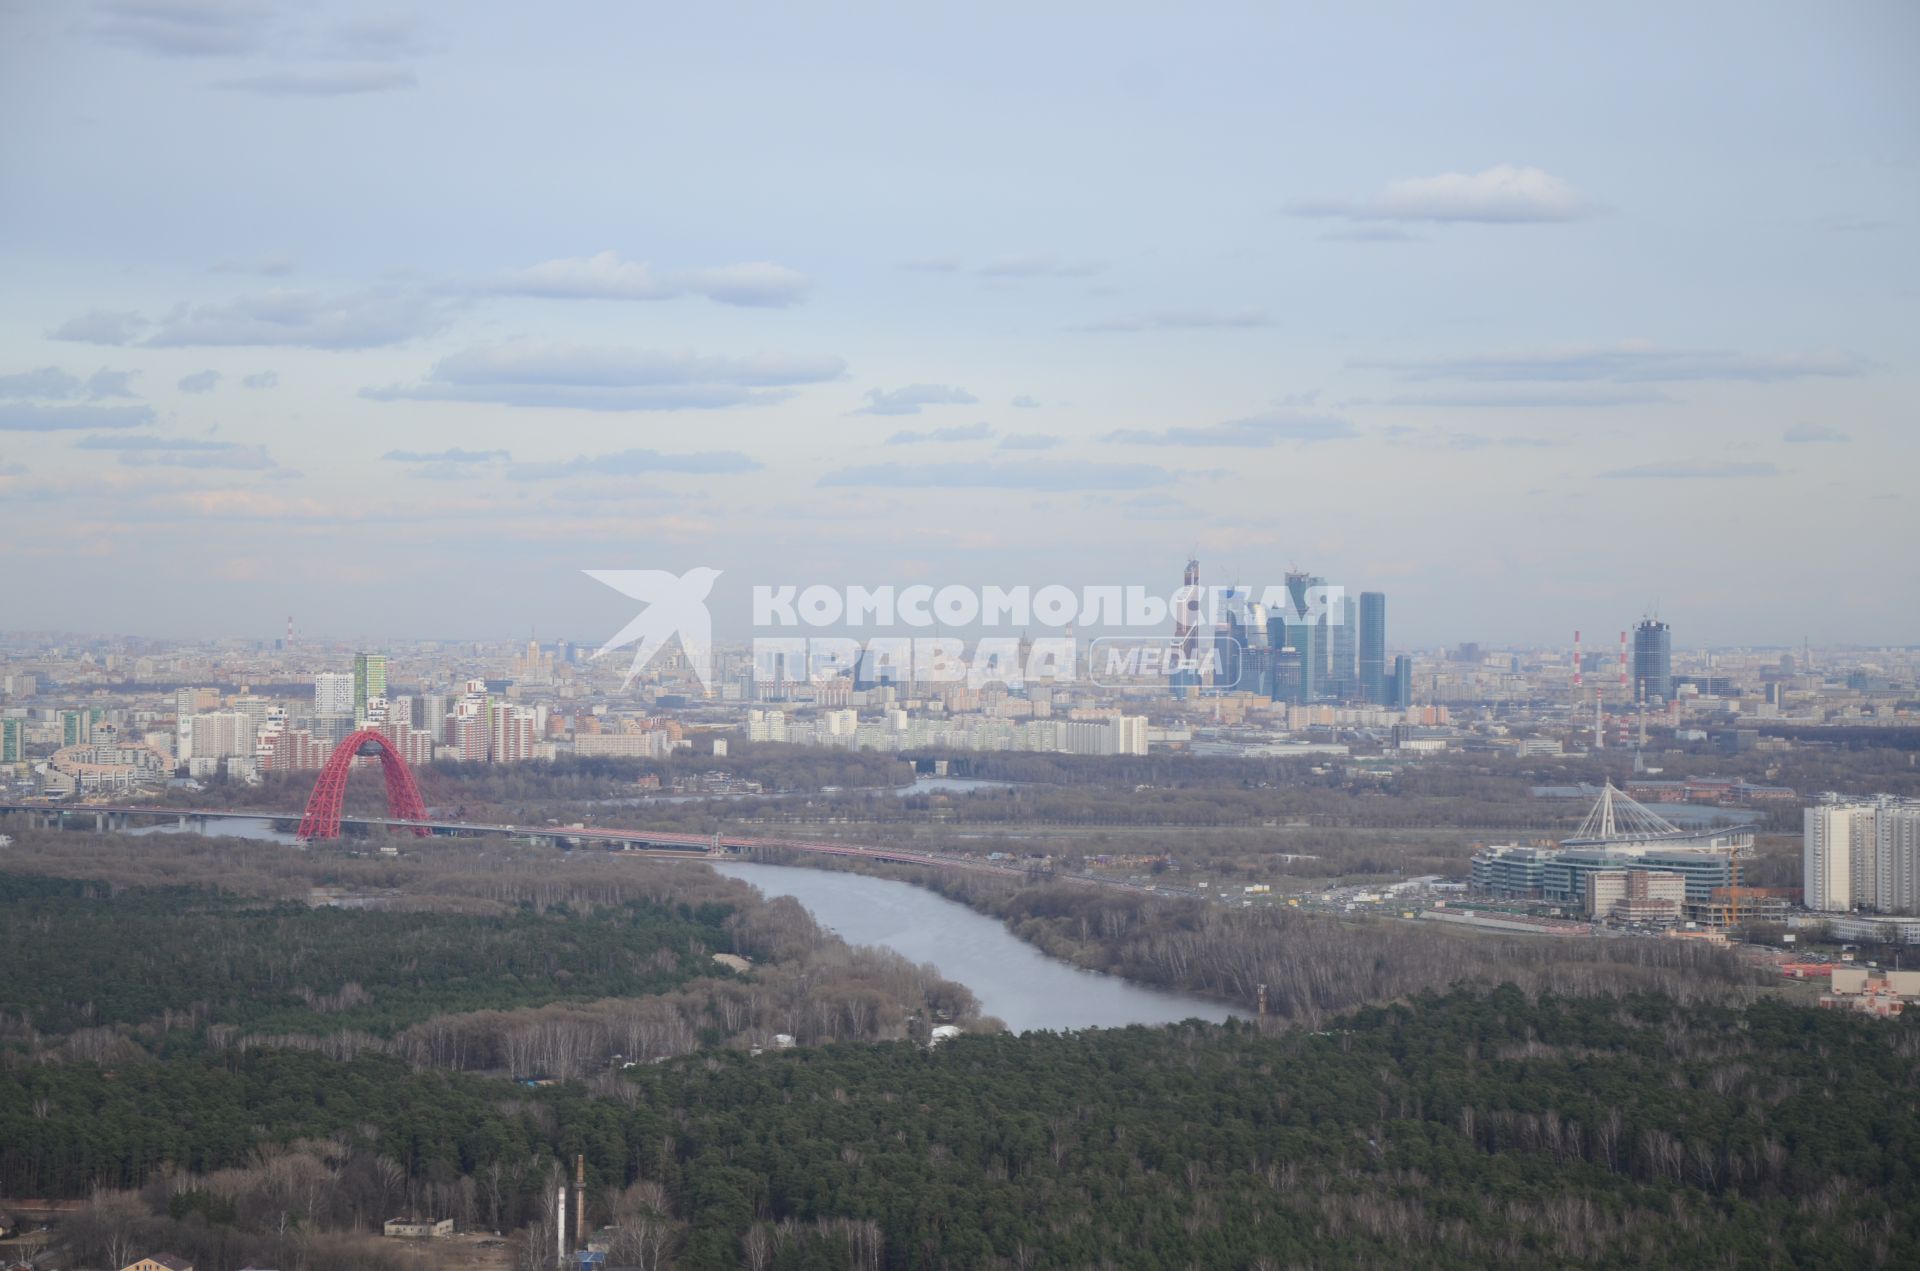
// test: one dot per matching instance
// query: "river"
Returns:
(1013, 980)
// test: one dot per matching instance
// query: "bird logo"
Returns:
(676, 606)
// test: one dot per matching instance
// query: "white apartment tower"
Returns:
(1862, 853)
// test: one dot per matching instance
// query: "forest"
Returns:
(474, 956)
(1476, 1128)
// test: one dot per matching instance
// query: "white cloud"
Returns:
(990, 475)
(959, 432)
(179, 452)
(298, 318)
(1631, 362)
(1502, 194)
(1029, 441)
(1038, 265)
(1024, 402)
(34, 417)
(606, 276)
(1181, 320)
(182, 28)
(328, 81)
(1692, 471)
(100, 326)
(612, 378)
(260, 379)
(452, 455)
(376, 40)
(756, 284)
(1258, 431)
(50, 382)
(635, 463)
(909, 400)
(1804, 433)
(199, 382)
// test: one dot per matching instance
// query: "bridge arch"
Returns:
(322, 819)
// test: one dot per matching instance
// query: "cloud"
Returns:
(635, 463)
(1478, 441)
(447, 465)
(330, 81)
(1038, 265)
(100, 326)
(1536, 399)
(958, 432)
(909, 400)
(606, 276)
(612, 378)
(1692, 471)
(756, 284)
(1502, 194)
(1631, 362)
(990, 475)
(32, 417)
(182, 28)
(1029, 441)
(1370, 234)
(283, 316)
(1181, 320)
(199, 382)
(50, 382)
(376, 40)
(105, 383)
(1256, 431)
(1804, 433)
(260, 379)
(181, 452)
(1023, 402)
(454, 455)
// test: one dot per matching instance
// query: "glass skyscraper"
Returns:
(1652, 661)
(1373, 647)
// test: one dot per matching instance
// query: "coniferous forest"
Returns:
(252, 1057)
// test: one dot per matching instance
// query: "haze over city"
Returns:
(1535, 320)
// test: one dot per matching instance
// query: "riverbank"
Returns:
(1309, 966)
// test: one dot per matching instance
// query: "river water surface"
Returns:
(1013, 980)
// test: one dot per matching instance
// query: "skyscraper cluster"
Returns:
(1315, 647)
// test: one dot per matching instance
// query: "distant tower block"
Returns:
(1623, 664)
(1576, 662)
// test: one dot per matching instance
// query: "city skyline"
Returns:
(1088, 299)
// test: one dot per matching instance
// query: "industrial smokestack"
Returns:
(560, 1228)
(579, 1201)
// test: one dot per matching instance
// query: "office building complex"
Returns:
(1402, 691)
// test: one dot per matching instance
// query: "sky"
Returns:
(396, 320)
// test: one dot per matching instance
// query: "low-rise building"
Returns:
(1635, 896)
(418, 1228)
